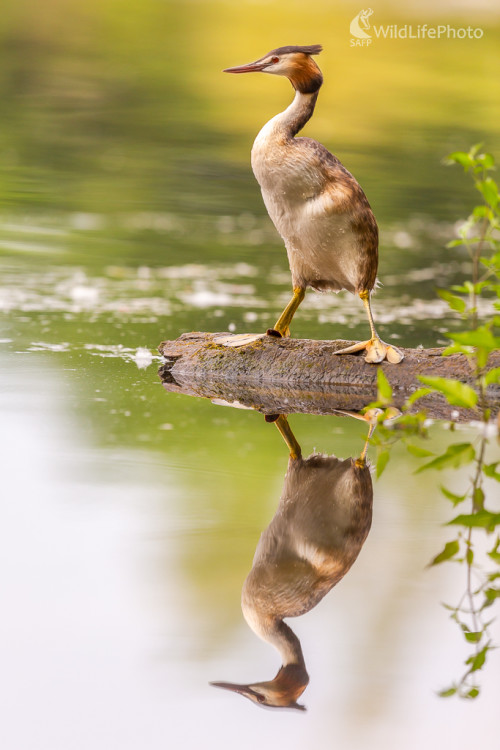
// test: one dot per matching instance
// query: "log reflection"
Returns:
(322, 520)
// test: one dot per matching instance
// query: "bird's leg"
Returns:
(371, 417)
(361, 460)
(281, 423)
(376, 349)
(281, 328)
(282, 325)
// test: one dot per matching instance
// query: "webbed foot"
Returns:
(376, 351)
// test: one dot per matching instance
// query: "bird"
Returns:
(317, 206)
(321, 523)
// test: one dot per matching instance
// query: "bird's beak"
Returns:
(253, 67)
(258, 698)
(245, 690)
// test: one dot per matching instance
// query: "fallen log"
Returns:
(286, 376)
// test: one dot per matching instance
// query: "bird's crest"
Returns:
(310, 49)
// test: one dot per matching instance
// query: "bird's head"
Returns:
(282, 692)
(294, 62)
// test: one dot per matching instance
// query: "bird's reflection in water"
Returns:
(323, 518)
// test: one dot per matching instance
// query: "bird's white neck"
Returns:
(284, 639)
(295, 116)
(276, 633)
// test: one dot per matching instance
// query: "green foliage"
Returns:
(472, 637)
(479, 235)
(456, 393)
(384, 389)
(382, 461)
(449, 551)
(494, 553)
(455, 499)
(417, 450)
(456, 303)
(490, 470)
(419, 393)
(447, 692)
(477, 660)
(490, 596)
(455, 455)
(489, 189)
(493, 376)
(478, 519)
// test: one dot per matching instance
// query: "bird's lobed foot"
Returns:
(376, 351)
(240, 339)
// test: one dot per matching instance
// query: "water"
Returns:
(130, 515)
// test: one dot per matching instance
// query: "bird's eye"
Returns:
(275, 60)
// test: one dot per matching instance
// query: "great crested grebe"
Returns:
(321, 523)
(317, 206)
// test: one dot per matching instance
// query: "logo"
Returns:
(360, 24)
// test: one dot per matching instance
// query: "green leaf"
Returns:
(479, 286)
(446, 693)
(475, 148)
(494, 553)
(460, 157)
(486, 160)
(491, 595)
(455, 499)
(450, 550)
(465, 288)
(382, 460)
(458, 349)
(455, 455)
(415, 450)
(489, 190)
(481, 212)
(490, 470)
(494, 260)
(478, 498)
(455, 303)
(473, 693)
(419, 393)
(390, 414)
(482, 519)
(383, 387)
(455, 243)
(493, 376)
(456, 393)
(469, 556)
(477, 660)
(473, 637)
(481, 337)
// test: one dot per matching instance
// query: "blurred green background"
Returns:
(118, 108)
(123, 144)
(130, 214)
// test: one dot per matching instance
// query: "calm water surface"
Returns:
(130, 515)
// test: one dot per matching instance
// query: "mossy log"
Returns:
(305, 376)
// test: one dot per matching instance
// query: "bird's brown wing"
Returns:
(340, 193)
